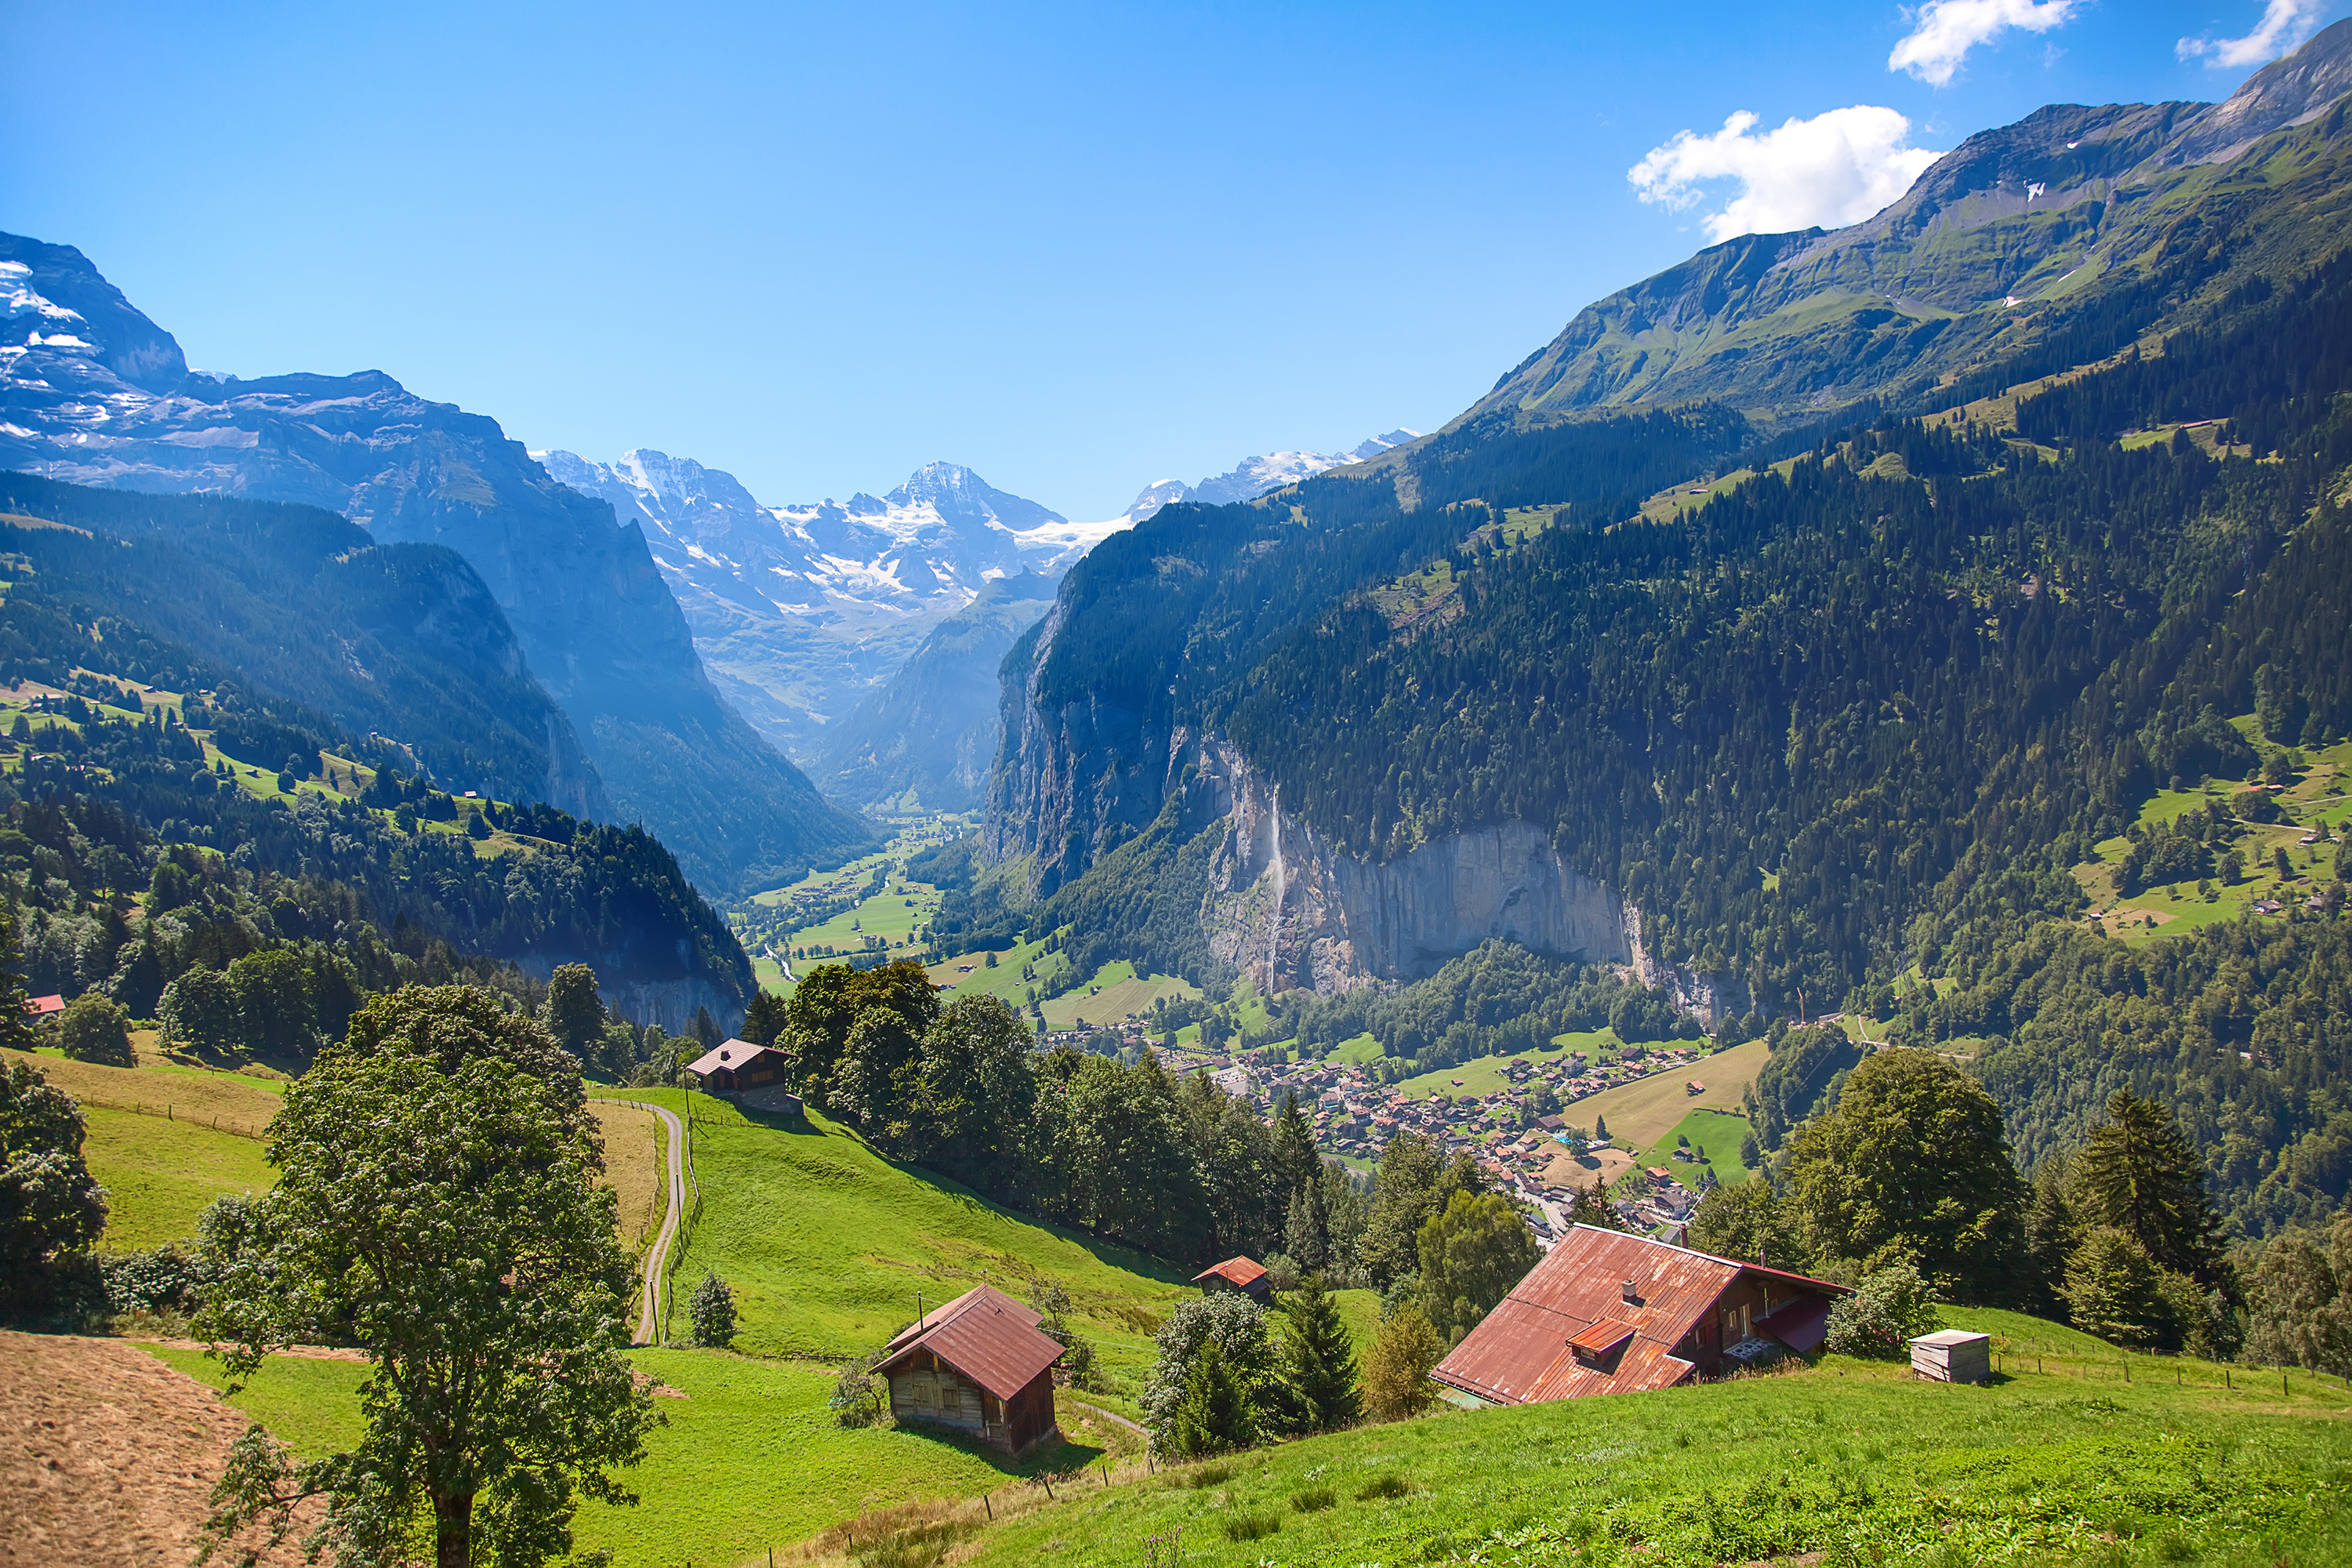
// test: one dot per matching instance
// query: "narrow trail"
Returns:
(658, 1254)
(1107, 1416)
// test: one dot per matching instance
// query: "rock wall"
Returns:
(1291, 910)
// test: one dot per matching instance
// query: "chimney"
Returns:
(1631, 1293)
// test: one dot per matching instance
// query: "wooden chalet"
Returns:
(1243, 1274)
(41, 1009)
(1605, 1312)
(743, 1071)
(978, 1365)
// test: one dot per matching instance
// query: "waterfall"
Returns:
(1274, 925)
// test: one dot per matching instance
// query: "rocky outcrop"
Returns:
(1289, 909)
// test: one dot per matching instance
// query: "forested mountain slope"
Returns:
(165, 811)
(1850, 722)
(396, 639)
(597, 624)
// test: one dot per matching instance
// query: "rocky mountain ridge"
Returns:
(1783, 326)
(804, 613)
(598, 627)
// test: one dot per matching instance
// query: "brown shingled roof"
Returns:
(985, 1335)
(731, 1054)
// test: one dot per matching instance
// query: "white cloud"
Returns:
(1834, 169)
(2284, 25)
(1944, 31)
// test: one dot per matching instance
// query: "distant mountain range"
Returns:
(93, 393)
(805, 612)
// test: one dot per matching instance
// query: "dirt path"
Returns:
(106, 1454)
(658, 1255)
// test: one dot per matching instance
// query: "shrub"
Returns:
(94, 1028)
(1880, 1318)
(166, 1280)
(859, 1398)
(710, 1311)
(1396, 1369)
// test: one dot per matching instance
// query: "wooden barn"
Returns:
(743, 1071)
(1242, 1274)
(1605, 1312)
(979, 1364)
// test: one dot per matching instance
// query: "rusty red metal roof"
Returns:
(984, 1334)
(1603, 1337)
(1525, 1352)
(1241, 1272)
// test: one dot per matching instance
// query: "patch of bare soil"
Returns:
(106, 1454)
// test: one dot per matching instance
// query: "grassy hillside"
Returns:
(828, 1244)
(1641, 1112)
(160, 1174)
(748, 1458)
(1850, 1461)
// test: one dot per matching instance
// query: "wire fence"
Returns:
(193, 1116)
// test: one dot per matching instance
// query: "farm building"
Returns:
(1241, 1274)
(740, 1070)
(1604, 1312)
(979, 1364)
(40, 1010)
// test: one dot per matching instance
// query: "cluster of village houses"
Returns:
(1541, 1164)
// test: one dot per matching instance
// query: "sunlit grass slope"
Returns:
(828, 1244)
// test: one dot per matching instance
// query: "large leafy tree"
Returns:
(1217, 1381)
(1471, 1256)
(437, 1202)
(977, 1091)
(48, 1202)
(1749, 1221)
(2140, 1173)
(1912, 1161)
(823, 1013)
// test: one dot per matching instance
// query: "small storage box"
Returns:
(1952, 1355)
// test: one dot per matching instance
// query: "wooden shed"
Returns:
(978, 1365)
(743, 1071)
(1243, 1274)
(1952, 1355)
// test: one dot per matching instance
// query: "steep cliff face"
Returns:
(1283, 904)
(1289, 909)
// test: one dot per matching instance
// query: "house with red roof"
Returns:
(978, 1365)
(1243, 1274)
(1605, 1312)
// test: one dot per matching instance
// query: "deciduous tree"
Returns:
(1912, 1161)
(1396, 1368)
(94, 1028)
(1471, 1256)
(438, 1198)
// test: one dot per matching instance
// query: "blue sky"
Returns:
(1078, 248)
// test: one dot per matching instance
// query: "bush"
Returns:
(1892, 1308)
(1396, 1369)
(94, 1028)
(164, 1280)
(859, 1398)
(710, 1311)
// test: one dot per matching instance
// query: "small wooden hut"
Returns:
(979, 1364)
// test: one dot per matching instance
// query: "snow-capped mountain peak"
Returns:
(1253, 477)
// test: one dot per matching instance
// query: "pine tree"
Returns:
(710, 1311)
(1319, 1363)
(2142, 1175)
(1214, 1418)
